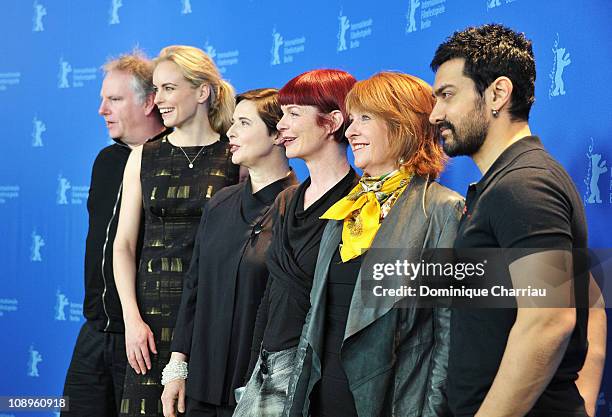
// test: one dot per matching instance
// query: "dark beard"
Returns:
(471, 135)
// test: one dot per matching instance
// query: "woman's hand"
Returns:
(138, 336)
(138, 341)
(173, 391)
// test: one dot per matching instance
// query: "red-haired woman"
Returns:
(311, 129)
(358, 355)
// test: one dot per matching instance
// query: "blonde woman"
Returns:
(171, 177)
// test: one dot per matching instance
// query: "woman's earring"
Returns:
(495, 112)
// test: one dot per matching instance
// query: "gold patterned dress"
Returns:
(173, 197)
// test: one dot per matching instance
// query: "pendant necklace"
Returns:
(191, 161)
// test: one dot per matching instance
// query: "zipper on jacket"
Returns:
(104, 255)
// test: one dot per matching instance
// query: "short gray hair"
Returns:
(139, 67)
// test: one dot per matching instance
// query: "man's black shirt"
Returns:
(101, 305)
(525, 200)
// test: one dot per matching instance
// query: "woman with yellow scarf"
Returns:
(359, 355)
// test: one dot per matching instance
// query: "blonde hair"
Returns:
(198, 68)
(404, 102)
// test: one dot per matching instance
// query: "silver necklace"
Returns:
(191, 161)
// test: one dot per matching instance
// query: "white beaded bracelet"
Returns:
(174, 370)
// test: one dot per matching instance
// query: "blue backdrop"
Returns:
(50, 80)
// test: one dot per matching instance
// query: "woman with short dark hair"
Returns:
(228, 275)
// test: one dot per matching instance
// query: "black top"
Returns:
(101, 306)
(525, 200)
(331, 396)
(223, 289)
(292, 260)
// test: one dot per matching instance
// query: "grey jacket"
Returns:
(395, 359)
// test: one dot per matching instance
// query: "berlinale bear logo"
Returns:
(63, 185)
(38, 129)
(114, 12)
(65, 69)
(39, 12)
(277, 42)
(37, 243)
(60, 306)
(561, 60)
(597, 167)
(412, 26)
(210, 50)
(345, 24)
(34, 360)
(186, 7)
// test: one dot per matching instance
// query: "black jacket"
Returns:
(101, 306)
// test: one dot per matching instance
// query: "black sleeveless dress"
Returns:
(173, 197)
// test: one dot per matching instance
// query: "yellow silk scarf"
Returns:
(364, 208)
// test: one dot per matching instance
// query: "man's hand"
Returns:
(138, 340)
(589, 377)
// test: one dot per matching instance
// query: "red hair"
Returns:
(325, 89)
(404, 102)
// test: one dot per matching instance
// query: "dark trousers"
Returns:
(197, 408)
(94, 382)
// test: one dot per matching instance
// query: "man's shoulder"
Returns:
(533, 203)
(112, 153)
(113, 148)
(535, 162)
(536, 173)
